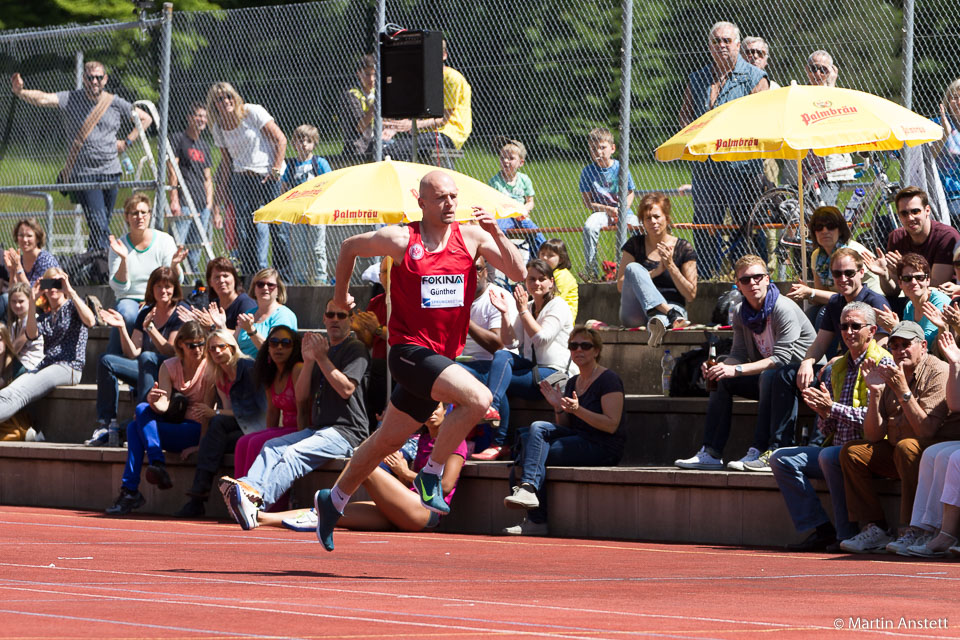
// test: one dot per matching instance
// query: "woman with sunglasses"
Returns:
(270, 294)
(926, 304)
(242, 408)
(540, 330)
(829, 232)
(276, 369)
(586, 431)
(160, 423)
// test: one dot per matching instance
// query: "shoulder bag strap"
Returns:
(92, 119)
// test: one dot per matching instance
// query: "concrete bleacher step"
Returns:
(634, 503)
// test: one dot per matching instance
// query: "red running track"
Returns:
(68, 574)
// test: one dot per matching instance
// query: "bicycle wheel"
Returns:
(776, 213)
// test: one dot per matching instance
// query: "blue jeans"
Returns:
(249, 194)
(544, 443)
(594, 223)
(953, 207)
(129, 309)
(793, 468)
(640, 295)
(148, 433)
(511, 375)
(535, 240)
(309, 245)
(716, 431)
(97, 206)
(184, 231)
(141, 372)
(718, 187)
(288, 458)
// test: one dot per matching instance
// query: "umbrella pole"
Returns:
(803, 225)
(386, 289)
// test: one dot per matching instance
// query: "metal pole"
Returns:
(906, 88)
(378, 112)
(78, 70)
(164, 107)
(625, 77)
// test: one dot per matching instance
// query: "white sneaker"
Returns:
(528, 528)
(872, 539)
(703, 461)
(522, 498)
(305, 520)
(738, 465)
(910, 538)
(242, 510)
(657, 330)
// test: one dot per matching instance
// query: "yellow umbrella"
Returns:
(377, 192)
(791, 121)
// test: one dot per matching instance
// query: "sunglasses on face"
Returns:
(583, 346)
(266, 285)
(193, 345)
(910, 277)
(819, 68)
(339, 315)
(276, 342)
(846, 273)
(760, 53)
(96, 78)
(855, 326)
(820, 226)
(217, 348)
(224, 98)
(753, 277)
(910, 212)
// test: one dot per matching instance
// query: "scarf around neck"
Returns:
(757, 320)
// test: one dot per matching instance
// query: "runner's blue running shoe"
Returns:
(327, 516)
(431, 493)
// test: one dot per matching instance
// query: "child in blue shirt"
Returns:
(516, 184)
(308, 242)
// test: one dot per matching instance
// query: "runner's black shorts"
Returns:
(414, 370)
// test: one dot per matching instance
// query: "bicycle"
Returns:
(777, 212)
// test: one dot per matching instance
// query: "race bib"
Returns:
(442, 291)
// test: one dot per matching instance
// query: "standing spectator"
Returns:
(271, 294)
(358, 116)
(719, 186)
(163, 425)
(516, 184)
(134, 257)
(252, 148)
(554, 253)
(93, 156)
(657, 275)
(192, 155)
(822, 72)
(756, 51)
(64, 331)
(924, 306)
(769, 331)
(906, 412)
(30, 261)
(947, 149)
(309, 241)
(600, 191)
(586, 431)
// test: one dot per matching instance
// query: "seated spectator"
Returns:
(586, 431)
(170, 419)
(133, 258)
(840, 409)
(657, 275)
(358, 112)
(516, 184)
(29, 259)
(924, 306)
(242, 410)
(271, 294)
(333, 381)
(769, 332)
(227, 299)
(152, 342)
(906, 412)
(947, 149)
(277, 367)
(64, 330)
(554, 253)
(28, 353)
(952, 287)
(540, 330)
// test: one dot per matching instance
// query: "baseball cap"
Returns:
(908, 329)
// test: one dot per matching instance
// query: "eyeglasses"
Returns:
(760, 53)
(276, 342)
(339, 315)
(819, 68)
(261, 284)
(753, 277)
(96, 78)
(218, 347)
(910, 277)
(193, 345)
(910, 212)
(820, 226)
(845, 273)
(855, 326)
(583, 346)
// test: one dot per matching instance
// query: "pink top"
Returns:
(425, 448)
(194, 389)
(286, 401)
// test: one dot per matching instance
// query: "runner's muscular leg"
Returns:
(395, 429)
(470, 398)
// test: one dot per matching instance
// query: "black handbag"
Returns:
(177, 411)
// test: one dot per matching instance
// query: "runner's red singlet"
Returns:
(431, 294)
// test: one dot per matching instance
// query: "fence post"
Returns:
(78, 69)
(625, 77)
(378, 113)
(906, 87)
(164, 107)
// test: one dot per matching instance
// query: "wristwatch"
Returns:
(738, 369)
(906, 397)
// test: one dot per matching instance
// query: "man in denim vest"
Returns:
(718, 186)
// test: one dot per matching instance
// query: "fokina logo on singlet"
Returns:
(416, 251)
(442, 291)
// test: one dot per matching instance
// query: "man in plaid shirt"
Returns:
(841, 410)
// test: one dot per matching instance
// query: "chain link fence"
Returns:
(546, 76)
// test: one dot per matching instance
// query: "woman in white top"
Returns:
(541, 329)
(133, 258)
(252, 147)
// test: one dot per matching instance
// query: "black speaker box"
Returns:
(411, 75)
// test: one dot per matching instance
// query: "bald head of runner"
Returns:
(438, 198)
